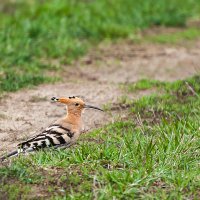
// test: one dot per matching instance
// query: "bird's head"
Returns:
(74, 104)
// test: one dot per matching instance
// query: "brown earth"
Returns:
(96, 77)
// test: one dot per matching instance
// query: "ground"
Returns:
(144, 146)
(97, 77)
(138, 61)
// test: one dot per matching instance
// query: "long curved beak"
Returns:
(92, 107)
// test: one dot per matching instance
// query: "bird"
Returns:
(62, 133)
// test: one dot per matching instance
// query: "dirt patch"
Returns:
(129, 62)
(96, 77)
(159, 30)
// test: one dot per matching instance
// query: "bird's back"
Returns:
(55, 134)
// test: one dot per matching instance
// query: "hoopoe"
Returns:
(63, 133)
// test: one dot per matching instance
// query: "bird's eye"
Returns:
(76, 104)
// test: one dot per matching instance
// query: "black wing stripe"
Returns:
(49, 128)
(70, 134)
(43, 144)
(38, 139)
(53, 125)
(50, 140)
(66, 129)
(28, 144)
(61, 140)
(21, 145)
(55, 133)
(35, 144)
(33, 139)
(38, 146)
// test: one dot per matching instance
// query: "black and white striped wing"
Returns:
(54, 135)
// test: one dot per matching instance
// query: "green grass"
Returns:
(13, 82)
(34, 31)
(153, 155)
(142, 84)
(176, 37)
(13, 191)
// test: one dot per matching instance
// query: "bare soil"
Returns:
(96, 77)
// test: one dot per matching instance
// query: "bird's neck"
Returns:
(73, 117)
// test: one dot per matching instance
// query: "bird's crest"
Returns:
(74, 100)
(68, 100)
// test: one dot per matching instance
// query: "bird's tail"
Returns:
(17, 152)
(12, 154)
